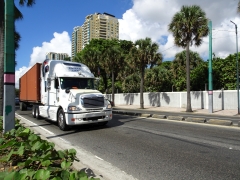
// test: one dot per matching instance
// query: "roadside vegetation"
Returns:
(24, 156)
(160, 76)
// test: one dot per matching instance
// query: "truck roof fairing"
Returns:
(61, 68)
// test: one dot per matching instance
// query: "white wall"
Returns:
(226, 99)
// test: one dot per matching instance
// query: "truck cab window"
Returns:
(76, 83)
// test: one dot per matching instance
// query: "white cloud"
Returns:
(60, 43)
(150, 18)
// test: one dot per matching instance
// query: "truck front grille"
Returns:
(94, 118)
(95, 110)
(93, 101)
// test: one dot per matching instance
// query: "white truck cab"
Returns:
(68, 95)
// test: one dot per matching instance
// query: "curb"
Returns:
(145, 115)
(127, 113)
(196, 120)
(178, 118)
(159, 116)
(220, 122)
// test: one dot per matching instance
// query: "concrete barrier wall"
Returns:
(222, 99)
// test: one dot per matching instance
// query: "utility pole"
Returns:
(237, 66)
(9, 68)
(210, 86)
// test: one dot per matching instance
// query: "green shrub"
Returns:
(24, 155)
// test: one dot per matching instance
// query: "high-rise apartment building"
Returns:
(56, 56)
(96, 26)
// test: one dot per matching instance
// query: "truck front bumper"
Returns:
(87, 118)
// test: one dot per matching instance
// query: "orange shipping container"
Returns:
(29, 85)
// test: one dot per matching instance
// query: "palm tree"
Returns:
(178, 68)
(142, 54)
(17, 38)
(189, 26)
(112, 63)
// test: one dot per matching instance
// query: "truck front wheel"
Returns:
(61, 120)
(34, 111)
(37, 112)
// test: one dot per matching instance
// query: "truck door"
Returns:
(52, 92)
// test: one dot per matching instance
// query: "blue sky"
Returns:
(49, 16)
(48, 25)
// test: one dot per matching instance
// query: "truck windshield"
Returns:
(76, 83)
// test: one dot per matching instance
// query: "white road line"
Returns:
(65, 140)
(36, 124)
(50, 132)
(26, 119)
(98, 158)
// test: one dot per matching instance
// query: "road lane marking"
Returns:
(187, 138)
(98, 158)
(50, 132)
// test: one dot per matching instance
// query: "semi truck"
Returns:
(64, 92)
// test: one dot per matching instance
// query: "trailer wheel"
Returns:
(34, 111)
(23, 106)
(61, 120)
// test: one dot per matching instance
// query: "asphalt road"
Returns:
(159, 149)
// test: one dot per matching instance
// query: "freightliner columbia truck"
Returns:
(64, 92)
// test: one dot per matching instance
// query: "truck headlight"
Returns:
(73, 108)
(108, 104)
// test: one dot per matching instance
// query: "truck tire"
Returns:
(61, 120)
(34, 111)
(23, 106)
(37, 112)
(20, 106)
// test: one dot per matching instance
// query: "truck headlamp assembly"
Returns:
(108, 104)
(73, 108)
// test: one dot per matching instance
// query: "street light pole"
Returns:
(237, 66)
(9, 68)
(210, 82)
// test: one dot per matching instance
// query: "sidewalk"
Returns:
(225, 112)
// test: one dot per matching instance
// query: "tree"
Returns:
(112, 62)
(158, 79)
(17, 38)
(127, 75)
(67, 59)
(178, 69)
(131, 83)
(144, 53)
(92, 55)
(224, 72)
(189, 26)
